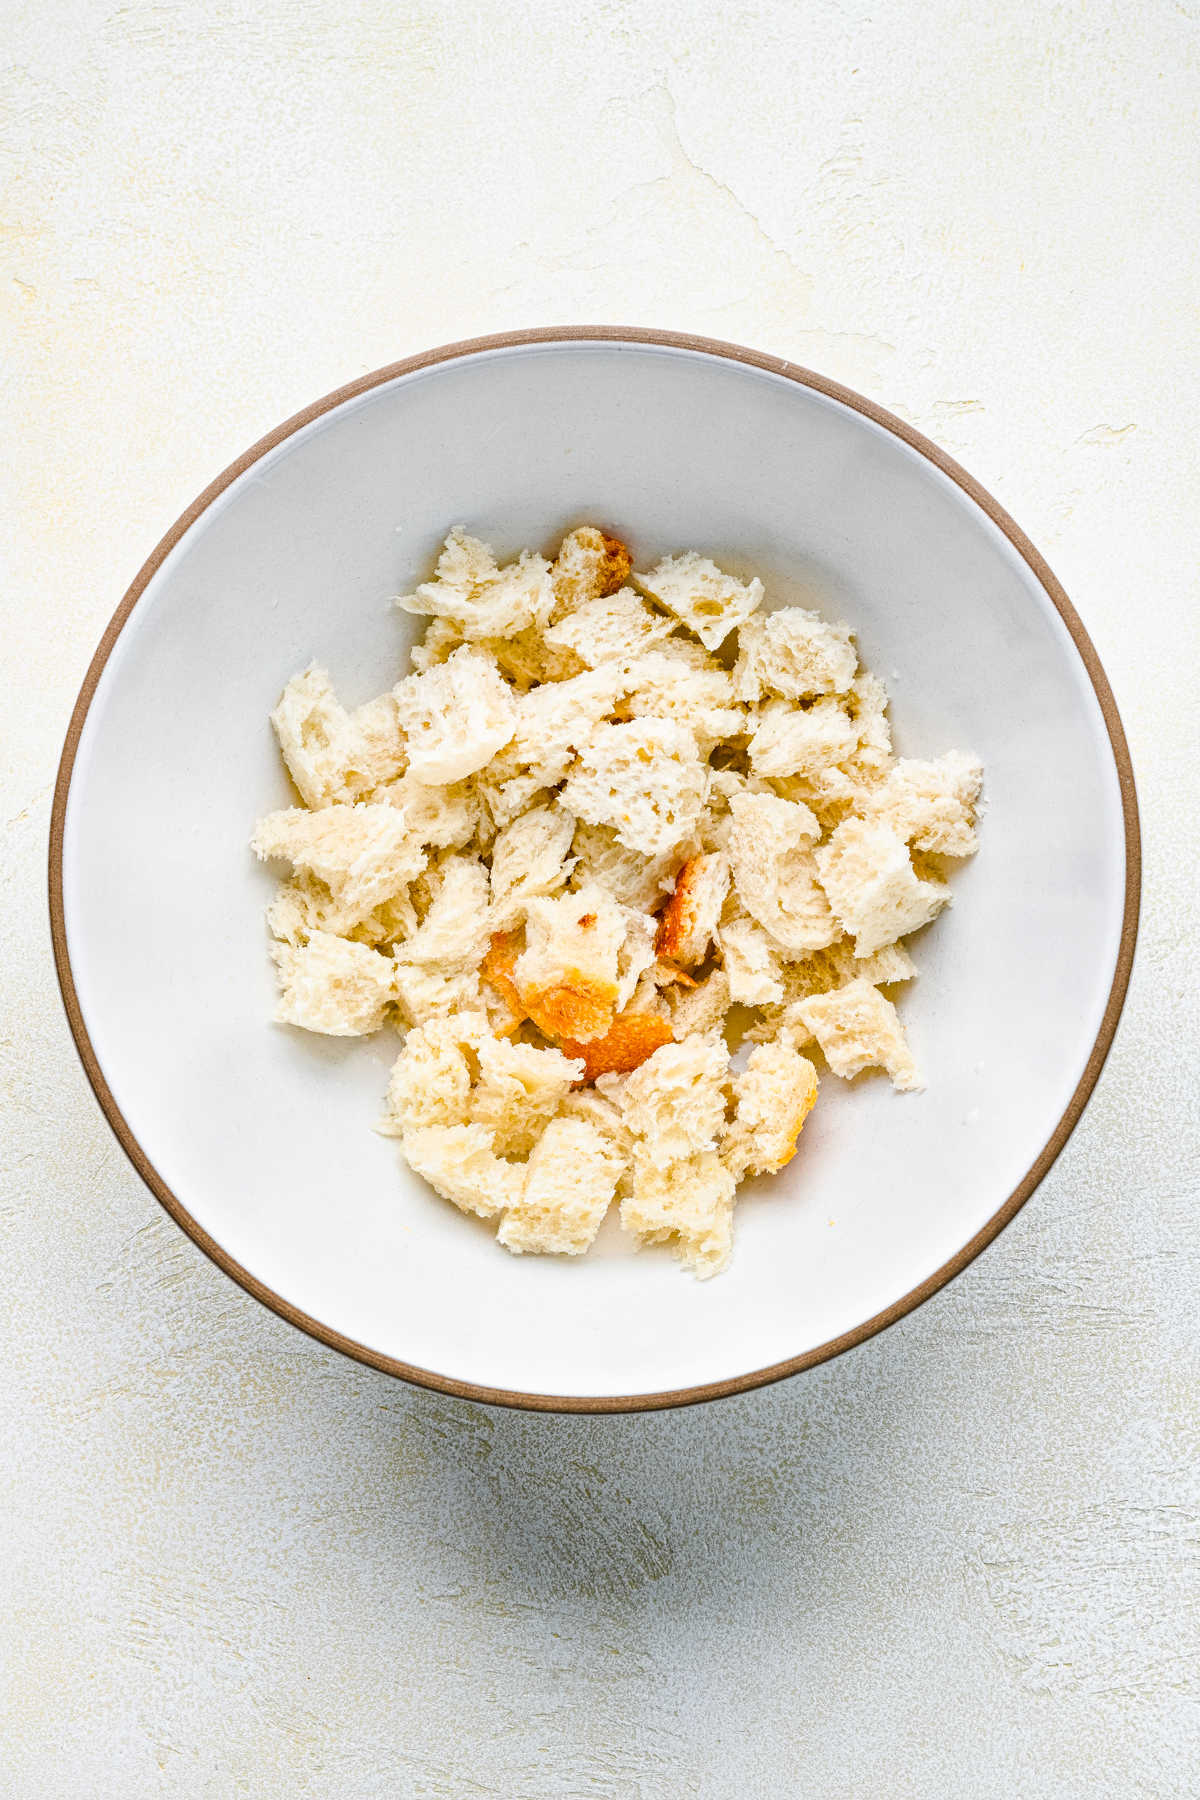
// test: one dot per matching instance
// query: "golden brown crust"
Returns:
(578, 1007)
(498, 965)
(678, 920)
(614, 571)
(630, 1039)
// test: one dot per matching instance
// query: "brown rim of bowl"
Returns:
(714, 1390)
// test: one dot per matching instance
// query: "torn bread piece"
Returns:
(773, 1096)
(455, 716)
(570, 1180)
(775, 873)
(331, 986)
(645, 779)
(567, 975)
(858, 1028)
(796, 740)
(530, 859)
(477, 597)
(636, 880)
(874, 892)
(688, 1204)
(430, 1082)
(674, 1104)
(590, 565)
(518, 1090)
(932, 805)
(794, 654)
(708, 601)
(364, 854)
(610, 628)
(455, 932)
(688, 922)
(459, 1163)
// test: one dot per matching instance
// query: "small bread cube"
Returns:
(569, 1184)
(456, 716)
(590, 564)
(530, 858)
(430, 1083)
(873, 889)
(518, 1091)
(459, 1163)
(674, 1104)
(332, 986)
(689, 1204)
(709, 602)
(364, 854)
(645, 779)
(866, 703)
(773, 1096)
(794, 740)
(480, 599)
(609, 628)
(455, 932)
(794, 654)
(688, 922)
(752, 962)
(774, 871)
(567, 974)
(857, 1028)
(931, 805)
(632, 1037)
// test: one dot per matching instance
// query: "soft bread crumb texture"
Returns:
(606, 828)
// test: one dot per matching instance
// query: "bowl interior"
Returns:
(264, 1134)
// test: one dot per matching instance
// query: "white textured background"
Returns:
(963, 1561)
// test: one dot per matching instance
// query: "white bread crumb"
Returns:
(456, 716)
(455, 932)
(609, 628)
(873, 889)
(752, 962)
(518, 1091)
(332, 986)
(645, 779)
(794, 654)
(364, 854)
(858, 1028)
(931, 805)
(793, 740)
(774, 871)
(430, 1082)
(674, 1104)
(773, 1096)
(708, 601)
(569, 1184)
(530, 858)
(479, 599)
(689, 1205)
(459, 1163)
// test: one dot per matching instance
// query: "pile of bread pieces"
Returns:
(610, 827)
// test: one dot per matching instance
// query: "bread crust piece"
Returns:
(688, 922)
(773, 1096)
(590, 563)
(629, 1041)
(567, 976)
(497, 969)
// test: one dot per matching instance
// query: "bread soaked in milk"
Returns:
(607, 827)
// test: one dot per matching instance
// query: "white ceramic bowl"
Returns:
(258, 1140)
